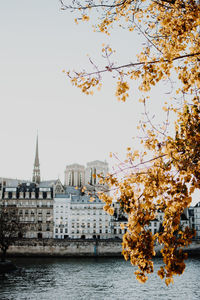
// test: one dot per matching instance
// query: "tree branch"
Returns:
(64, 6)
(140, 64)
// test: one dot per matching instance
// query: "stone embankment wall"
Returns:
(51, 247)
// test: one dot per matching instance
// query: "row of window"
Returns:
(83, 213)
(78, 231)
(27, 195)
(28, 212)
(88, 225)
(82, 219)
(33, 219)
(87, 207)
(28, 203)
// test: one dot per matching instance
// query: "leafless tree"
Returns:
(10, 228)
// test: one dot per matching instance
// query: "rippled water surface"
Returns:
(93, 278)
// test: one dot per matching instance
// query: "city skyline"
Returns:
(39, 40)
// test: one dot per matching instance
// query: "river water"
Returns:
(93, 278)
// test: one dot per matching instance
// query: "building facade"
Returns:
(76, 216)
(197, 220)
(52, 210)
(33, 201)
(35, 207)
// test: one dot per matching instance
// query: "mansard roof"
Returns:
(84, 199)
(64, 196)
(47, 183)
(10, 182)
(77, 196)
(23, 186)
(28, 185)
(72, 190)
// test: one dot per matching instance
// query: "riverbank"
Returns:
(56, 248)
(64, 248)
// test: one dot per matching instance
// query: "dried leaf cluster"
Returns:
(167, 172)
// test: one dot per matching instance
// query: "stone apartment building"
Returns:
(33, 201)
(75, 216)
(51, 210)
(154, 226)
(196, 215)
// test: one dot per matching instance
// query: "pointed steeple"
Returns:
(36, 169)
(37, 164)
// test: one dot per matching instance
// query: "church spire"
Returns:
(36, 169)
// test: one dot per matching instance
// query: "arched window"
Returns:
(58, 189)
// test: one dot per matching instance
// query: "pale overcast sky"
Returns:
(38, 41)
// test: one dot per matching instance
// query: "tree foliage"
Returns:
(165, 174)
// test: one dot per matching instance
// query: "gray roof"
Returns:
(47, 183)
(84, 199)
(78, 197)
(62, 195)
(72, 190)
(12, 182)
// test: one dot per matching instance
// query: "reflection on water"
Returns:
(93, 278)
